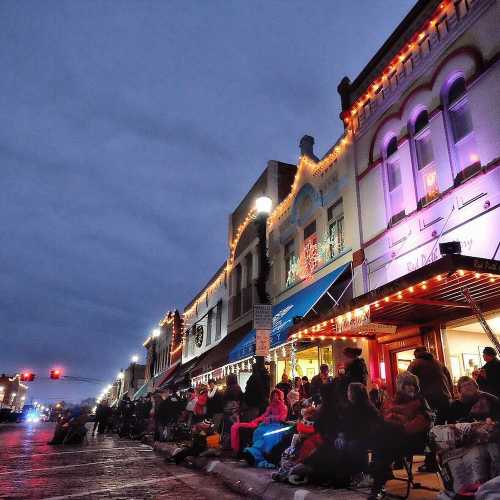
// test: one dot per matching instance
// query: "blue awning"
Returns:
(298, 304)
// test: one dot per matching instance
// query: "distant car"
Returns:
(30, 414)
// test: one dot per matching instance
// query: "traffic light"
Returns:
(27, 377)
(55, 374)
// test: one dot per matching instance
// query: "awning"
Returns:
(298, 304)
(142, 391)
(182, 375)
(434, 292)
(164, 377)
(218, 355)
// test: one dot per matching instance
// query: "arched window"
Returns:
(461, 129)
(423, 155)
(394, 185)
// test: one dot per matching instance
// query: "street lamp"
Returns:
(155, 333)
(134, 358)
(263, 206)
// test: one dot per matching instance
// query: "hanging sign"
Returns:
(262, 342)
(353, 321)
(377, 328)
(263, 317)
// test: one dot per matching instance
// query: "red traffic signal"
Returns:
(27, 377)
(55, 374)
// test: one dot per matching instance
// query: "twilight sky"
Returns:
(129, 130)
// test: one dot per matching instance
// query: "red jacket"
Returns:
(201, 404)
(411, 414)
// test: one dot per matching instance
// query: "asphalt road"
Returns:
(105, 467)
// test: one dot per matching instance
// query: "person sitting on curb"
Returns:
(277, 411)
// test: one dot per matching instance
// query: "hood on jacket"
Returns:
(406, 378)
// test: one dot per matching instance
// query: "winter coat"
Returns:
(360, 423)
(316, 384)
(284, 387)
(257, 390)
(357, 371)
(277, 411)
(215, 404)
(480, 408)
(491, 382)
(200, 408)
(411, 414)
(434, 380)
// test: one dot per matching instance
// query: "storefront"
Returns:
(435, 306)
(289, 356)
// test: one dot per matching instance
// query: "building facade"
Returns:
(422, 139)
(13, 392)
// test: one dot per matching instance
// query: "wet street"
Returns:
(105, 467)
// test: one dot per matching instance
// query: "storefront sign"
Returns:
(377, 328)
(353, 321)
(262, 342)
(263, 317)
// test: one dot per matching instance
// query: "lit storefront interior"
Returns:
(463, 344)
(427, 307)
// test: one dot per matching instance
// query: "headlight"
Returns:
(30, 419)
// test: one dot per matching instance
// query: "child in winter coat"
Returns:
(277, 411)
(304, 442)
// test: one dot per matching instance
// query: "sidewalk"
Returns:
(257, 483)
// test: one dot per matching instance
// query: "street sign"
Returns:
(262, 342)
(263, 317)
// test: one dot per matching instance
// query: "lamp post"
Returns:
(120, 382)
(263, 206)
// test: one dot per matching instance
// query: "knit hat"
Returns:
(489, 351)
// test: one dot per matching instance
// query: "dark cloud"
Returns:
(128, 132)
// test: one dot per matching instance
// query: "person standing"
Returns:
(215, 404)
(489, 375)
(257, 392)
(284, 386)
(318, 381)
(102, 414)
(434, 380)
(306, 387)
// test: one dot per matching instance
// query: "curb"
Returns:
(256, 483)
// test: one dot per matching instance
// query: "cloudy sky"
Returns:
(128, 132)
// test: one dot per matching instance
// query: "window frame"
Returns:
(391, 159)
(332, 220)
(460, 173)
(287, 256)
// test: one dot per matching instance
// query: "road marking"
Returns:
(69, 466)
(90, 450)
(144, 482)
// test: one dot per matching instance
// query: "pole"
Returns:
(263, 296)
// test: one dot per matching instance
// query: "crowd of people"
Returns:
(341, 430)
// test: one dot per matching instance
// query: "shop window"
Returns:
(210, 316)
(310, 253)
(289, 256)
(461, 131)
(218, 321)
(423, 153)
(394, 184)
(336, 228)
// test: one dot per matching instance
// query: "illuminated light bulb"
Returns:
(322, 337)
(312, 337)
(424, 286)
(439, 277)
(461, 272)
(477, 275)
(300, 335)
(400, 295)
(474, 157)
(422, 35)
(343, 338)
(377, 305)
(386, 299)
(411, 289)
(492, 280)
(366, 308)
(354, 340)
